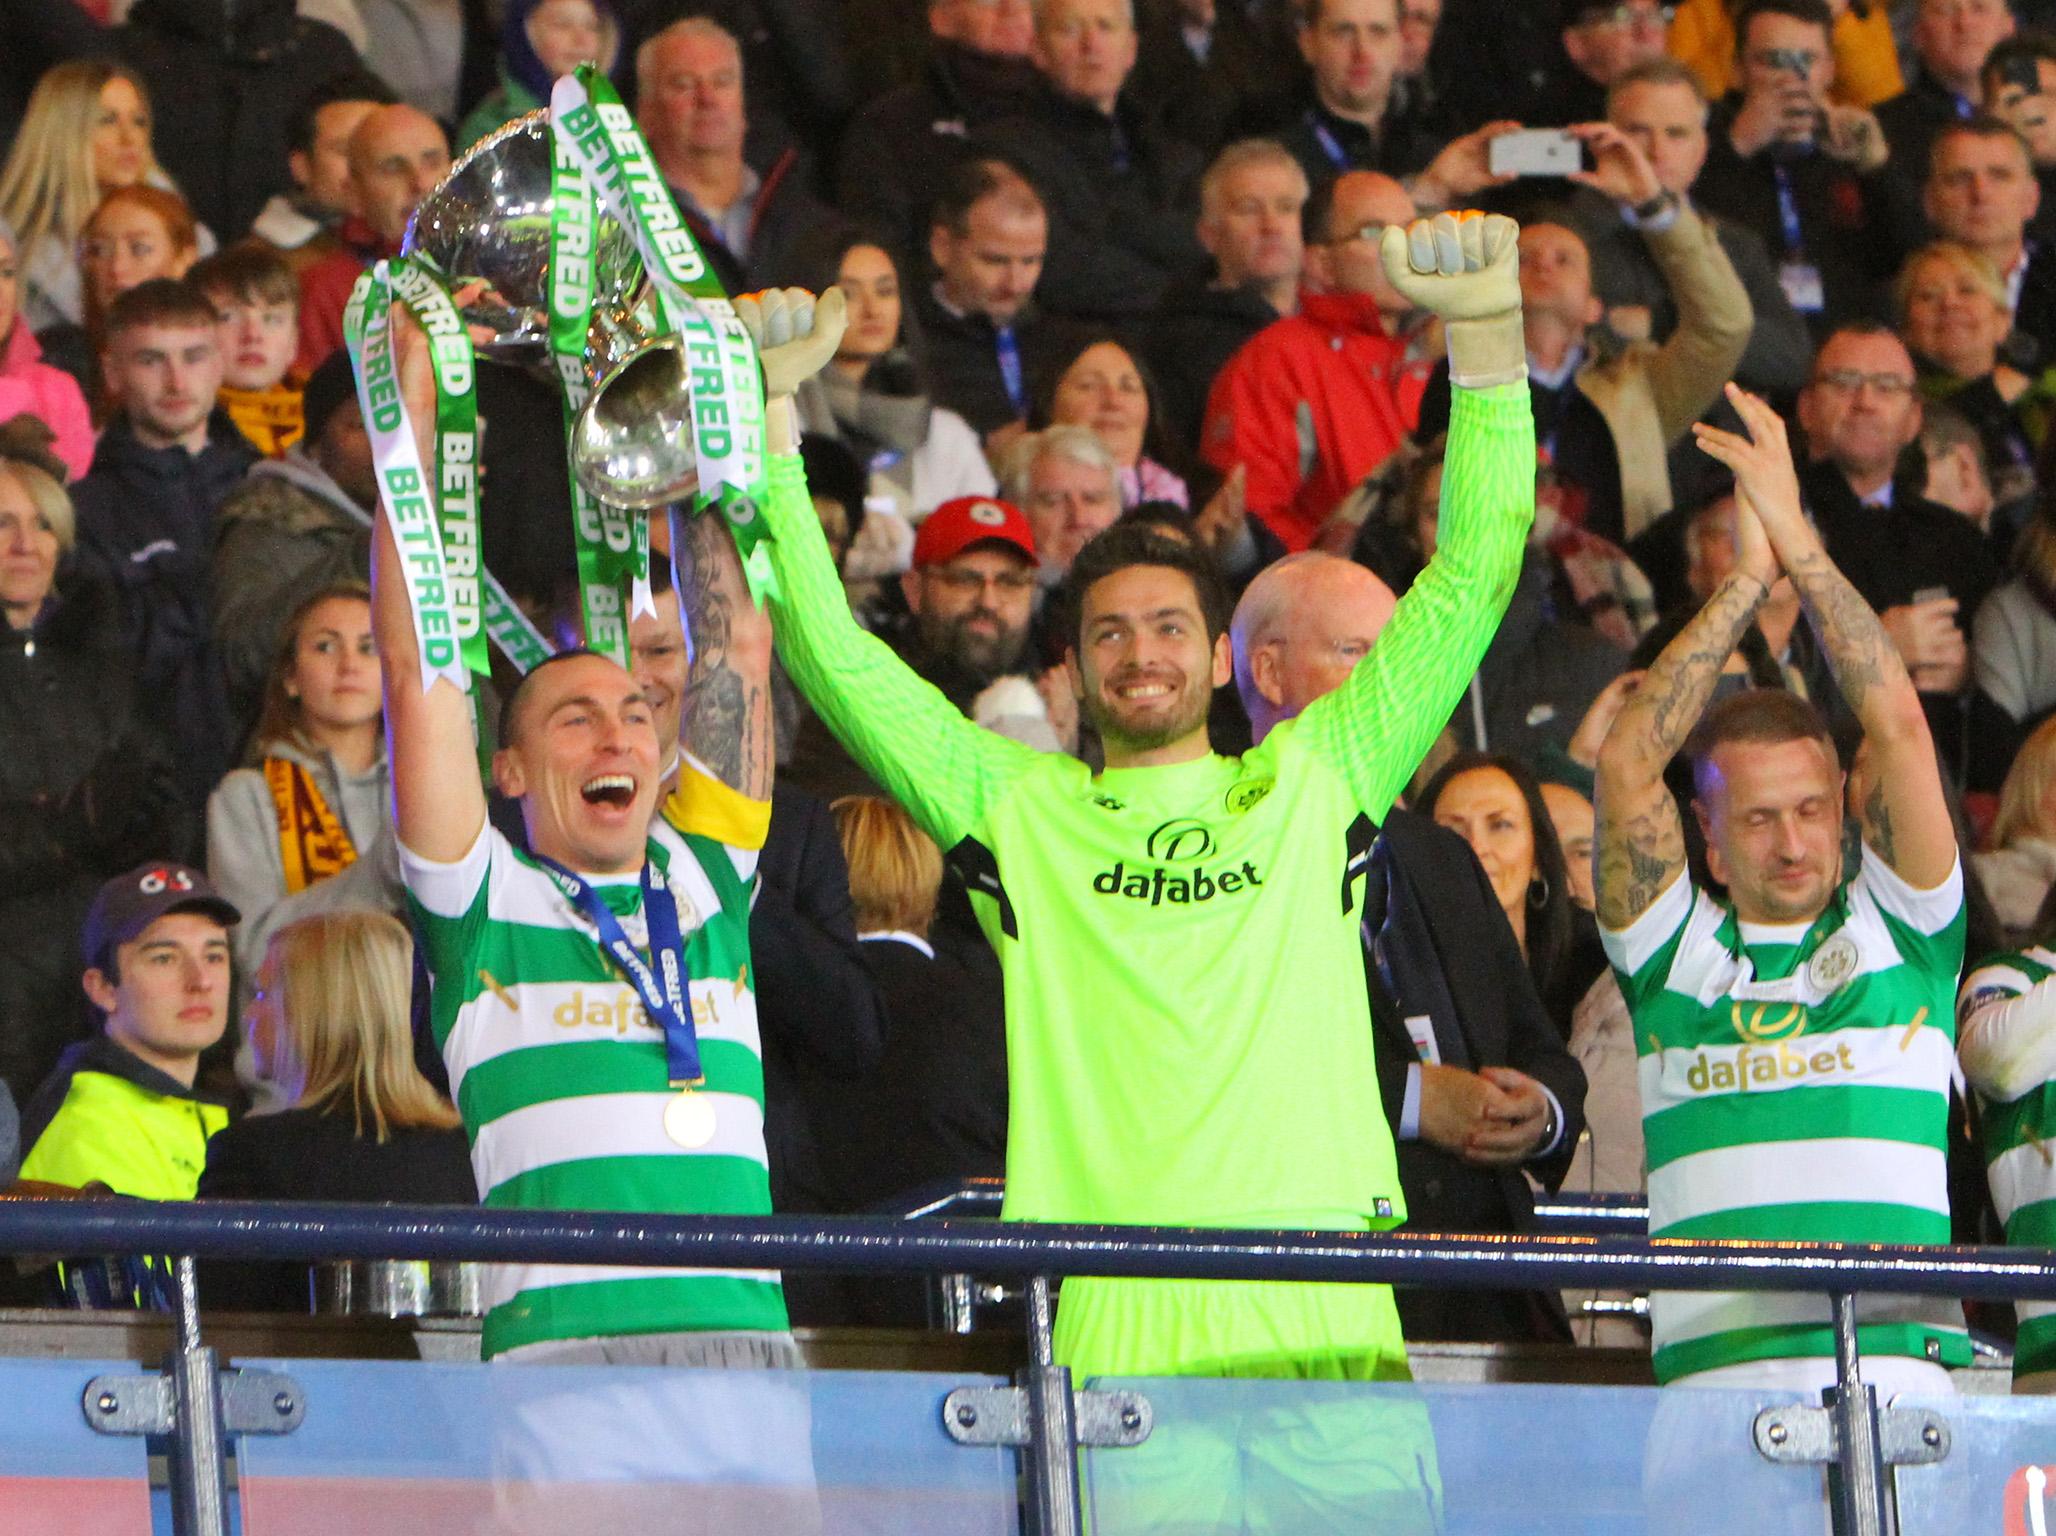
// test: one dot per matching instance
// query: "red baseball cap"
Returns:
(963, 521)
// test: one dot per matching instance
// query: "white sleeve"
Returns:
(450, 890)
(2006, 1032)
(1922, 911)
(1631, 948)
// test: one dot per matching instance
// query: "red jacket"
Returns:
(1310, 405)
(325, 291)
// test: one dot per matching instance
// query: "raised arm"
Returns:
(1905, 816)
(726, 719)
(437, 797)
(1376, 727)
(1640, 844)
(1686, 372)
(903, 732)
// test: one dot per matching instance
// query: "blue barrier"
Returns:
(868, 1245)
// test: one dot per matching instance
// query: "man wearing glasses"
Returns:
(971, 598)
(1922, 567)
(1804, 174)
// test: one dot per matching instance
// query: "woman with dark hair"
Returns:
(874, 397)
(1495, 804)
(1101, 384)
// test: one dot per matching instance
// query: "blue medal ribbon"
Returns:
(665, 999)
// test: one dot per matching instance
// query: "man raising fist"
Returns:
(1189, 1036)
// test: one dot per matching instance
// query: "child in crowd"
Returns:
(257, 301)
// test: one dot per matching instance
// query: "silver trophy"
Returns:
(631, 444)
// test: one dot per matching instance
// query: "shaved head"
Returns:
(1300, 629)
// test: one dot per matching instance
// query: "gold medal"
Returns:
(689, 1120)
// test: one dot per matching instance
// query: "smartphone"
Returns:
(1535, 152)
(1930, 595)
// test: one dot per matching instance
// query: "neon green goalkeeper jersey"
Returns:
(1188, 1037)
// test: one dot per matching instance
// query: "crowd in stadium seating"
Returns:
(1103, 264)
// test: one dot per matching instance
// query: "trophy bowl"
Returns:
(488, 221)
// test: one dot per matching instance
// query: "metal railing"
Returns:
(955, 1300)
(199, 1406)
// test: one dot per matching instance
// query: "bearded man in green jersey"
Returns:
(1797, 1037)
(1188, 1034)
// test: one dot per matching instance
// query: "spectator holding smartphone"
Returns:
(1799, 169)
(2018, 85)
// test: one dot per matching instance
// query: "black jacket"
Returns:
(67, 716)
(934, 1109)
(1122, 198)
(1326, 145)
(1443, 948)
(963, 360)
(1495, 59)
(1910, 121)
(317, 1154)
(787, 223)
(1188, 339)
(935, 1106)
(146, 515)
(818, 1010)
(1893, 554)
(225, 79)
(1842, 229)
(897, 152)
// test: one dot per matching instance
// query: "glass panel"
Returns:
(57, 1476)
(390, 1446)
(1298, 1456)
(2000, 1475)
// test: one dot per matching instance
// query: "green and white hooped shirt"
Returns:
(2019, 1133)
(560, 1076)
(1795, 1086)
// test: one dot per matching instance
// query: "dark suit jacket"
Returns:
(1450, 954)
(819, 1011)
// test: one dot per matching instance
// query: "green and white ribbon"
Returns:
(612, 543)
(408, 492)
(456, 450)
(722, 374)
(512, 630)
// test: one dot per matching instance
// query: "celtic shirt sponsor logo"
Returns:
(1181, 842)
(1766, 1021)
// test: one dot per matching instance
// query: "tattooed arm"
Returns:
(1640, 846)
(1905, 815)
(726, 718)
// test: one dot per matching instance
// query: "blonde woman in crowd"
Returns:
(2020, 866)
(306, 831)
(329, 1024)
(85, 133)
